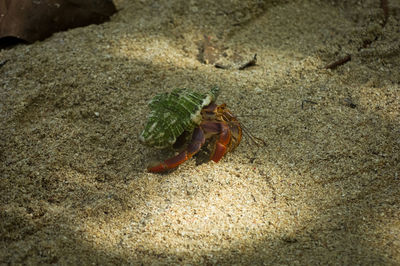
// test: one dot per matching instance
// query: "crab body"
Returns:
(173, 114)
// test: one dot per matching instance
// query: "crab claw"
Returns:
(221, 144)
(193, 147)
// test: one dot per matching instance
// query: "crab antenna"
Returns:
(251, 116)
(257, 141)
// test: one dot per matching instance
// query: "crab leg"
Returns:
(193, 147)
(222, 129)
(222, 142)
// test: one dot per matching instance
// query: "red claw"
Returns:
(219, 152)
(221, 144)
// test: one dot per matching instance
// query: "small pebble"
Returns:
(258, 90)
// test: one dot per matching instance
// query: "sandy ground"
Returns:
(325, 189)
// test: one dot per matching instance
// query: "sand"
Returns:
(324, 190)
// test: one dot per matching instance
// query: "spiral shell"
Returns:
(173, 113)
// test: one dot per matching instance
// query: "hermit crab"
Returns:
(183, 112)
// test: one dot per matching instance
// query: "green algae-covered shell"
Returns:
(173, 113)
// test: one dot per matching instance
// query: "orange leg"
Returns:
(222, 143)
(234, 126)
(193, 147)
(236, 135)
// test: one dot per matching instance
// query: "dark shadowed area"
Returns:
(324, 190)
